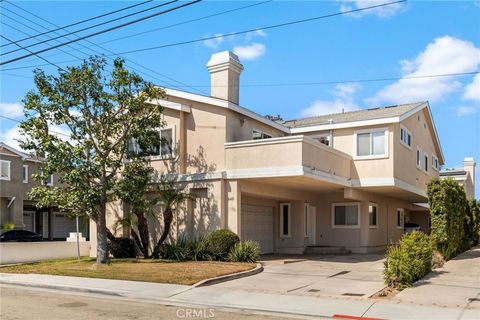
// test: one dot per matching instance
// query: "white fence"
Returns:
(16, 252)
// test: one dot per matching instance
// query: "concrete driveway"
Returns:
(457, 284)
(354, 275)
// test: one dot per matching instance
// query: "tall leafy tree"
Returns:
(100, 111)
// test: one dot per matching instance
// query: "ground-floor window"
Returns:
(346, 215)
(400, 218)
(372, 213)
(285, 219)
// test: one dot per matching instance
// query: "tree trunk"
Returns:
(102, 243)
(167, 222)
(139, 244)
(142, 225)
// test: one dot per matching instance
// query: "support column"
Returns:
(182, 145)
(234, 206)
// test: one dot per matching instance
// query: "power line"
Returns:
(91, 27)
(23, 48)
(348, 81)
(154, 71)
(102, 31)
(103, 48)
(147, 31)
(186, 22)
(78, 22)
(262, 28)
(15, 120)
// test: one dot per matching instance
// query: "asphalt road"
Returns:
(26, 303)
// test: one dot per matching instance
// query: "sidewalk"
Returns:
(237, 299)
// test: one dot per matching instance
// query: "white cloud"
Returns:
(11, 110)
(256, 33)
(250, 52)
(343, 102)
(444, 55)
(466, 110)
(10, 136)
(214, 43)
(472, 91)
(383, 12)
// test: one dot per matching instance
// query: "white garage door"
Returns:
(257, 225)
(28, 220)
(62, 226)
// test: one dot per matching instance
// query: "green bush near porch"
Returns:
(409, 260)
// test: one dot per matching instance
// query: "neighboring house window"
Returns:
(372, 214)
(371, 144)
(4, 170)
(49, 181)
(285, 220)
(258, 135)
(25, 173)
(163, 145)
(346, 215)
(425, 162)
(434, 162)
(400, 218)
(419, 158)
(405, 137)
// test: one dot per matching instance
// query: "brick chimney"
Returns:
(225, 69)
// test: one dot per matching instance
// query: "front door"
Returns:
(310, 220)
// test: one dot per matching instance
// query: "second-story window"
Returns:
(4, 170)
(25, 173)
(258, 135)
(372, 143)
(435, 162)
(419, 158)
(163, 144)
(425, 162)
(405, 137)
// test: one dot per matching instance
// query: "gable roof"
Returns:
(352, 116)
(23, 155)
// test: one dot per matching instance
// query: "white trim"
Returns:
(388, 182)
(343, 125)
(227, 105)
(51, 180)
(25, 180)
(289, 234)
(436, 133)
(386, 154)
(9, 177)
(170, 105)
(24, 156)
(409, 134)
(373, 226)
(339, 204)
(402, 210)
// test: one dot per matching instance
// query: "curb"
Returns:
(60, 287)
(228, 277)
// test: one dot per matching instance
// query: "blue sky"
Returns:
(408, 39)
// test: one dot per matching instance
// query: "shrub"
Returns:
(245, 251)
(437, 260)
(448, 204)
(7, 226)
(187, 250)
(474, 213)
(220, 242)
(408, 261)
(123, 248)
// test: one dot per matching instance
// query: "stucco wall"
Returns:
(405, 167)
(17, 252)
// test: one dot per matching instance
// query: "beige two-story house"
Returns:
(16, 206)
(348, 180)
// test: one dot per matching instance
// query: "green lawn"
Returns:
(134, 269)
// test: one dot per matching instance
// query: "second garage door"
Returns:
(257, 225)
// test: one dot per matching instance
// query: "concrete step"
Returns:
(323, 250)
